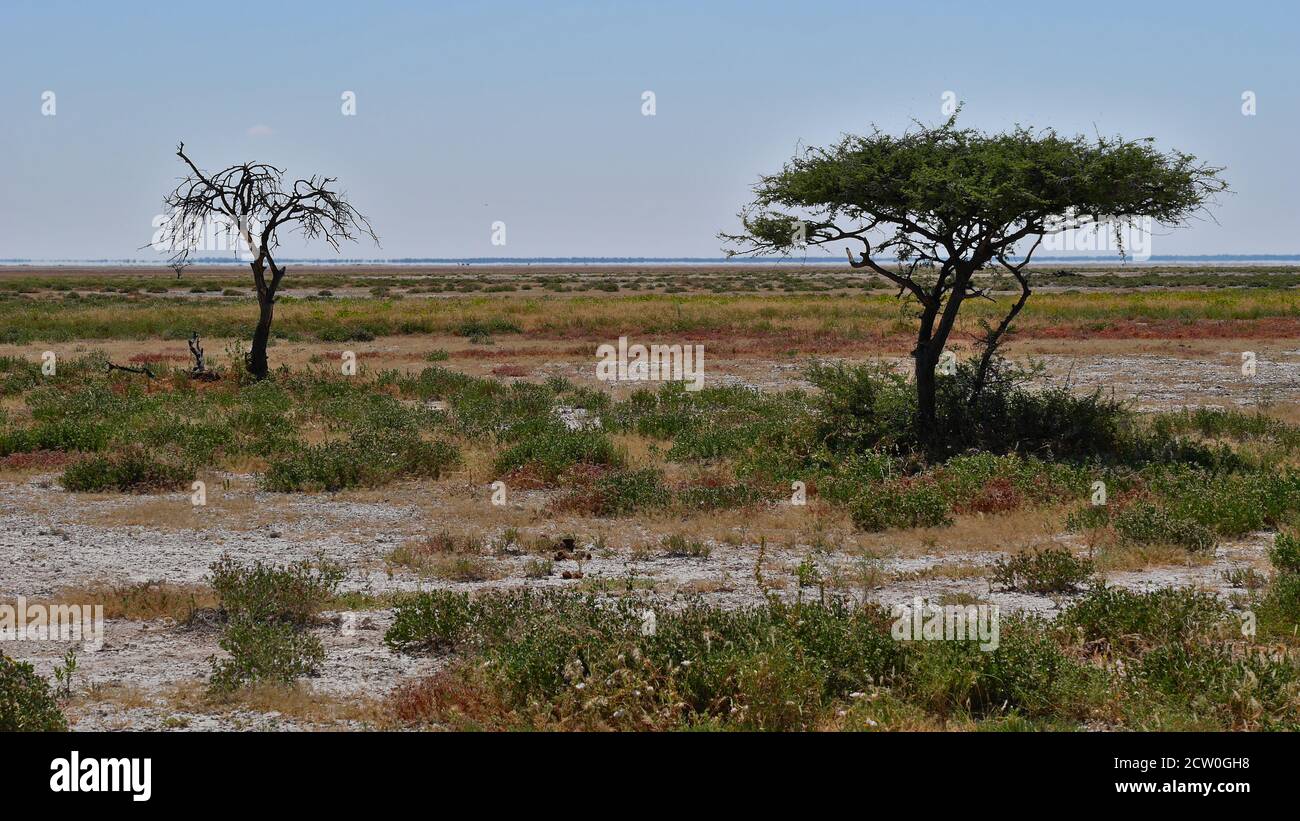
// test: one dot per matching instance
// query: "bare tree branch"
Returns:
(251, 203)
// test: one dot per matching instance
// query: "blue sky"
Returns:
(530, 113)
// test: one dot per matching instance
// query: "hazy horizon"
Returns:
(1079, 259)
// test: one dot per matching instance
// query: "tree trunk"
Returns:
(257, 361)
(993, 339)
(926, 357)
(926, 422)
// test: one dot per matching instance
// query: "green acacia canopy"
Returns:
(941, 193)
(933, 207)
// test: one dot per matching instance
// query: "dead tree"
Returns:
(200, 369)
(252, 202)
(143, 369)
(196, 351)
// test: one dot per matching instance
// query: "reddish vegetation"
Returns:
(583, 498)
(35, 460)
(495, 353)
(524, 478)
(740, 341)
(998, 496)
(1123, 499)
(582, 502)
(439, 543)
(443, 697)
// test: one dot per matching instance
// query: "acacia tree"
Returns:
(252, 201)
(937, 206)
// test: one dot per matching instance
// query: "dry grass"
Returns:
(1116, 558)
(137, 601)
(299, 702)
(447, 556)
(945, 570)
(1003, 533)
(1288, 412)
(446, 701)
(231, 504)
(125, 696)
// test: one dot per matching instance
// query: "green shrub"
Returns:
(678, 546)
(1088, 517)
(969, 479)
(1285, 553)
(268, 608)
(1279, 612)
(68, 434)
(129, 471)
(1218, 423)
(845, 475)
(1045, 570)
(1027, 673)
(1125, 618)
(660, 414)
(901, 504)
(1006, 417)
(714, 494)
(271, 652)
(363, 461)
(864, 407)
(861, 407)
(1215, 684)
(26, 703)
(291, 594)
(487, 327)
(1145, 523)
(538, 568)
(559, 656)
(716, 422)
(732, 431)
(344, 333)
(620, 492)
(438, 620)
(1230, 504)
(548, 448)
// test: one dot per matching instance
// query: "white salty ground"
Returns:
(44, 552)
